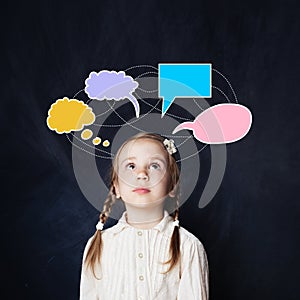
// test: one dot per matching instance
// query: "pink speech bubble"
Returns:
(220, 124)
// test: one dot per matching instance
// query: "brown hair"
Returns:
(94, 252)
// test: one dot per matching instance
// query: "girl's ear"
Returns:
(172, 193)
(116, 186)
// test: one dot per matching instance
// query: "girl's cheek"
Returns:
(126, 174)
(156, 179)
(157, 173)
(126, 177)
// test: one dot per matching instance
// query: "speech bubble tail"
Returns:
(165, 106)
(135, 103)
(185, 125)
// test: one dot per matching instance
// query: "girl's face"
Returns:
(142, 173)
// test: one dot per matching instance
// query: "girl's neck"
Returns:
(143, 218)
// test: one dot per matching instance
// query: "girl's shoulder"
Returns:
(188, 239)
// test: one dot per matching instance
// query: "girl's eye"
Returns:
(154, 166)
(130, 166)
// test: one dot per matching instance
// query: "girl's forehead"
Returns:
(143, 148)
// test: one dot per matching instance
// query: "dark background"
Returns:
(250, 229)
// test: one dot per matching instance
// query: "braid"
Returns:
(95, 249)
(176, 212)
(174, 249)
(108, 203)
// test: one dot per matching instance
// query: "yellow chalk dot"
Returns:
(86, 134)
(96, 141)
(106, 143)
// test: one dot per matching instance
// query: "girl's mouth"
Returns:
(141, 191)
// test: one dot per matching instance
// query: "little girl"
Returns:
(146, 255)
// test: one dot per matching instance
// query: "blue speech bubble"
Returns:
(183, 80)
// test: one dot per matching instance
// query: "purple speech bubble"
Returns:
(220, 124)
(112, 85)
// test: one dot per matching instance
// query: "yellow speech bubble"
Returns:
(66, 115)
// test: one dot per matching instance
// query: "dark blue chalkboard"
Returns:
(250, 229)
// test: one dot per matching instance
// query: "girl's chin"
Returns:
(143, 203)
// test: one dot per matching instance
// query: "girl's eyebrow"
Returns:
(128, 158)
(158, 158)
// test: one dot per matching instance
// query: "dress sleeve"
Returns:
(193, 284)
(88, 289)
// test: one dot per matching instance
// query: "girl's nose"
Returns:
(142, 174)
